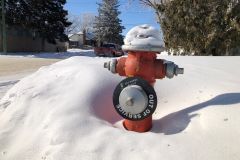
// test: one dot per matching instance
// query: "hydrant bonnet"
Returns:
(143, 38)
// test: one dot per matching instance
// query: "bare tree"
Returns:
(155, 4)
(80, 23)
(87, 20)
(75, 27)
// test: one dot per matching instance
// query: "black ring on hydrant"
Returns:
(147, 88)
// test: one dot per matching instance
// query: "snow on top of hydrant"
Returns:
(64, 112)
(143, 36)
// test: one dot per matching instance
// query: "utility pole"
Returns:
(4, 36)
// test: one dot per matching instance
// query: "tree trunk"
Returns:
(43, 45)
(84, 36)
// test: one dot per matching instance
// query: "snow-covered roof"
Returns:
(89, 36)
(80, 32)
(70, 35)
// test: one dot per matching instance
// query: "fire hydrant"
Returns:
(134, 98)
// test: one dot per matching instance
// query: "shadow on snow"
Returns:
(178, 121)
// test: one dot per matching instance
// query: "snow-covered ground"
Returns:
(6, 82)
(15, 66)
(64, 55)
(64, 111)
(59, 55)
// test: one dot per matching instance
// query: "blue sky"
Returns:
(131, 14)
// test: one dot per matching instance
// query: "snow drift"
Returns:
(64, 111)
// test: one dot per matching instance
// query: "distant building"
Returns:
(22, 40)
(78, 40)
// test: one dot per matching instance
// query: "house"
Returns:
(78, 40)
(23, 40)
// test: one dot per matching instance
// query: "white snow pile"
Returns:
(64, 112)
(64, 55)
(57, 55)
(143, 37)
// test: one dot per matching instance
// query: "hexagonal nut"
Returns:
(172, 69)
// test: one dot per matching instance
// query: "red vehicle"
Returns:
(109, 49)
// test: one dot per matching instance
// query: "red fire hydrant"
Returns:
(134, 98)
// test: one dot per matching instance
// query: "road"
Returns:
(10, 65)
(13, 68)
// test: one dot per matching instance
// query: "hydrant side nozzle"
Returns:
(172, 69)
(179, 71)
(106, 64)
(111, 65)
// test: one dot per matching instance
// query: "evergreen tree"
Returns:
(108, 25)
(205, 27)
(47, 18)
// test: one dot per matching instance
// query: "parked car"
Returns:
(109, 49)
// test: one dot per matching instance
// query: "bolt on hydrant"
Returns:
(134, 98)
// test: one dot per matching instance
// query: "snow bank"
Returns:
(64, 111)
(64, 55)
(143, 37)
(55, 55)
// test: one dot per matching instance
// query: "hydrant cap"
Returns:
(143, 38)
(134, 99)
